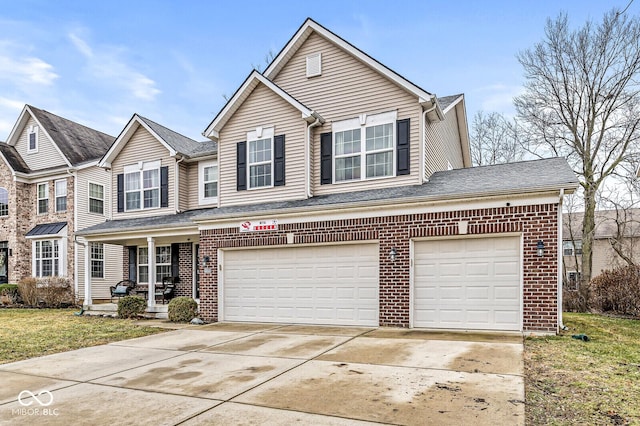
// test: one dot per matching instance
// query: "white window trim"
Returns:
(89, 198)
(31, 131)
(62, 255)
(95, 259)
(7, 211)
(46, 192)
(363, 122)
(256, 135)
(140, 168)
(156, 263)
(572, 248)
(201, 197)
(55, 188)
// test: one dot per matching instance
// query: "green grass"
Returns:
(568, 381)
(28, 333)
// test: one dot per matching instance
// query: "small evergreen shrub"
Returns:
(131, 307)
(182, 309)
(9, 294)
(617, 291)
(27, 288)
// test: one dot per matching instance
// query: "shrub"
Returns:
(617, 291)
(9, 294)
(27, 288)
(572, 301)
(182, 309)
(55, 292)
(131, 307)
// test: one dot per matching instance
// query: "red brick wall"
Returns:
(185, 286)
(538, 222)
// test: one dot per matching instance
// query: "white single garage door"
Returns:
(310, 285)
(468, 283)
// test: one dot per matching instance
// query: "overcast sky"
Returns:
(98, 62)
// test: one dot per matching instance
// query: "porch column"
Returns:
(87, 274)
(151, 250)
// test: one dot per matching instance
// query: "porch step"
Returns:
(111, 310)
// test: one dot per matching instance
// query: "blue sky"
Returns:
(173, 61)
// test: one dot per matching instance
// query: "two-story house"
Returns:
(340, 193)
(50, 186)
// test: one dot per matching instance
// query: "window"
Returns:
(208, 187)
(364, 147)
(260, 163)
(163, 263)
(61, 195)
(573, 280)
(43, 198)
(142, 186)
(4, 202)
(568, 247)
(314, 64)
(32, 139)
(47, 258)
(96, 198)
(97, 260)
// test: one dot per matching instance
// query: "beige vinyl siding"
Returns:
(186, 186)
(83, 178)
(112, 272)
(47, 155)
(192, 193)
(442, 145)
(142, 146)
(263, 108)
(346, 89)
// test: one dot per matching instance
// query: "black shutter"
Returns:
(133, 263)
(241, 166)
(326, 159)
(175, 260)
(402, 147)
(278, 157)
(164, 186)
(120, 193)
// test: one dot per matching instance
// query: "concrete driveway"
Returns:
(273, 374)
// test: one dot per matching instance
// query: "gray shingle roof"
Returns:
(180, 143)
(13, 158)
(78, 143)
(513, 178)
(445, 101)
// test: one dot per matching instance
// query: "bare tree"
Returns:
(623, 219)
(493, 140)
(582, 101)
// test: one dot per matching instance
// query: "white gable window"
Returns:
(260, 162)
(43, 198)
(364, 147)
(208, 182)
(142, 186)
(314, 64)
(61, 195)
(32, 139)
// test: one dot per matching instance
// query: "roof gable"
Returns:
(243, 92)
(13, 159)
(76, 143)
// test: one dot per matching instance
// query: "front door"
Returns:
(4, 262)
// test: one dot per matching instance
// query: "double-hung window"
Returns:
(61, 195)
(142, 186)
(260, 162)
(96, 198)
(364, 147)
(47, 258)
(208, 182)
(570, 248)
(4, 202)
(163, 263)
(97, 260)
(43, 198)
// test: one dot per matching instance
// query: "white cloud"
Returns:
(108, 65)
(24, 70)
(11, 104)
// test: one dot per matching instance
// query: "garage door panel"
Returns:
(322, 284)
(481, 292)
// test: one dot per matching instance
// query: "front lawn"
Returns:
(28, 333)
(568, 381)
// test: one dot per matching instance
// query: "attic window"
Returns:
(314, 64)
(32, 139)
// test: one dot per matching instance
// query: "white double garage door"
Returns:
(465, 283)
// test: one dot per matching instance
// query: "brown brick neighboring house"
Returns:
(44, 170)
(614, 228)
(339, 193)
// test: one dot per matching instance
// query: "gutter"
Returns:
(176, 190)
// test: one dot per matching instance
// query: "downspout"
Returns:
(423, 161)
(76, 284)
(308, 154)
(560, 202)
(176, 190)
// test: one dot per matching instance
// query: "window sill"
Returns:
(363, 180)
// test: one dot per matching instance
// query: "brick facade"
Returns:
(537, 222)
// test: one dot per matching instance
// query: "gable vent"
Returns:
(314, 64)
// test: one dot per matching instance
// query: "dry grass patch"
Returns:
(28, 333)
(569, 381)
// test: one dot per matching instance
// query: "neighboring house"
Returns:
(614, 228)
(344, 195)
(50, 186)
